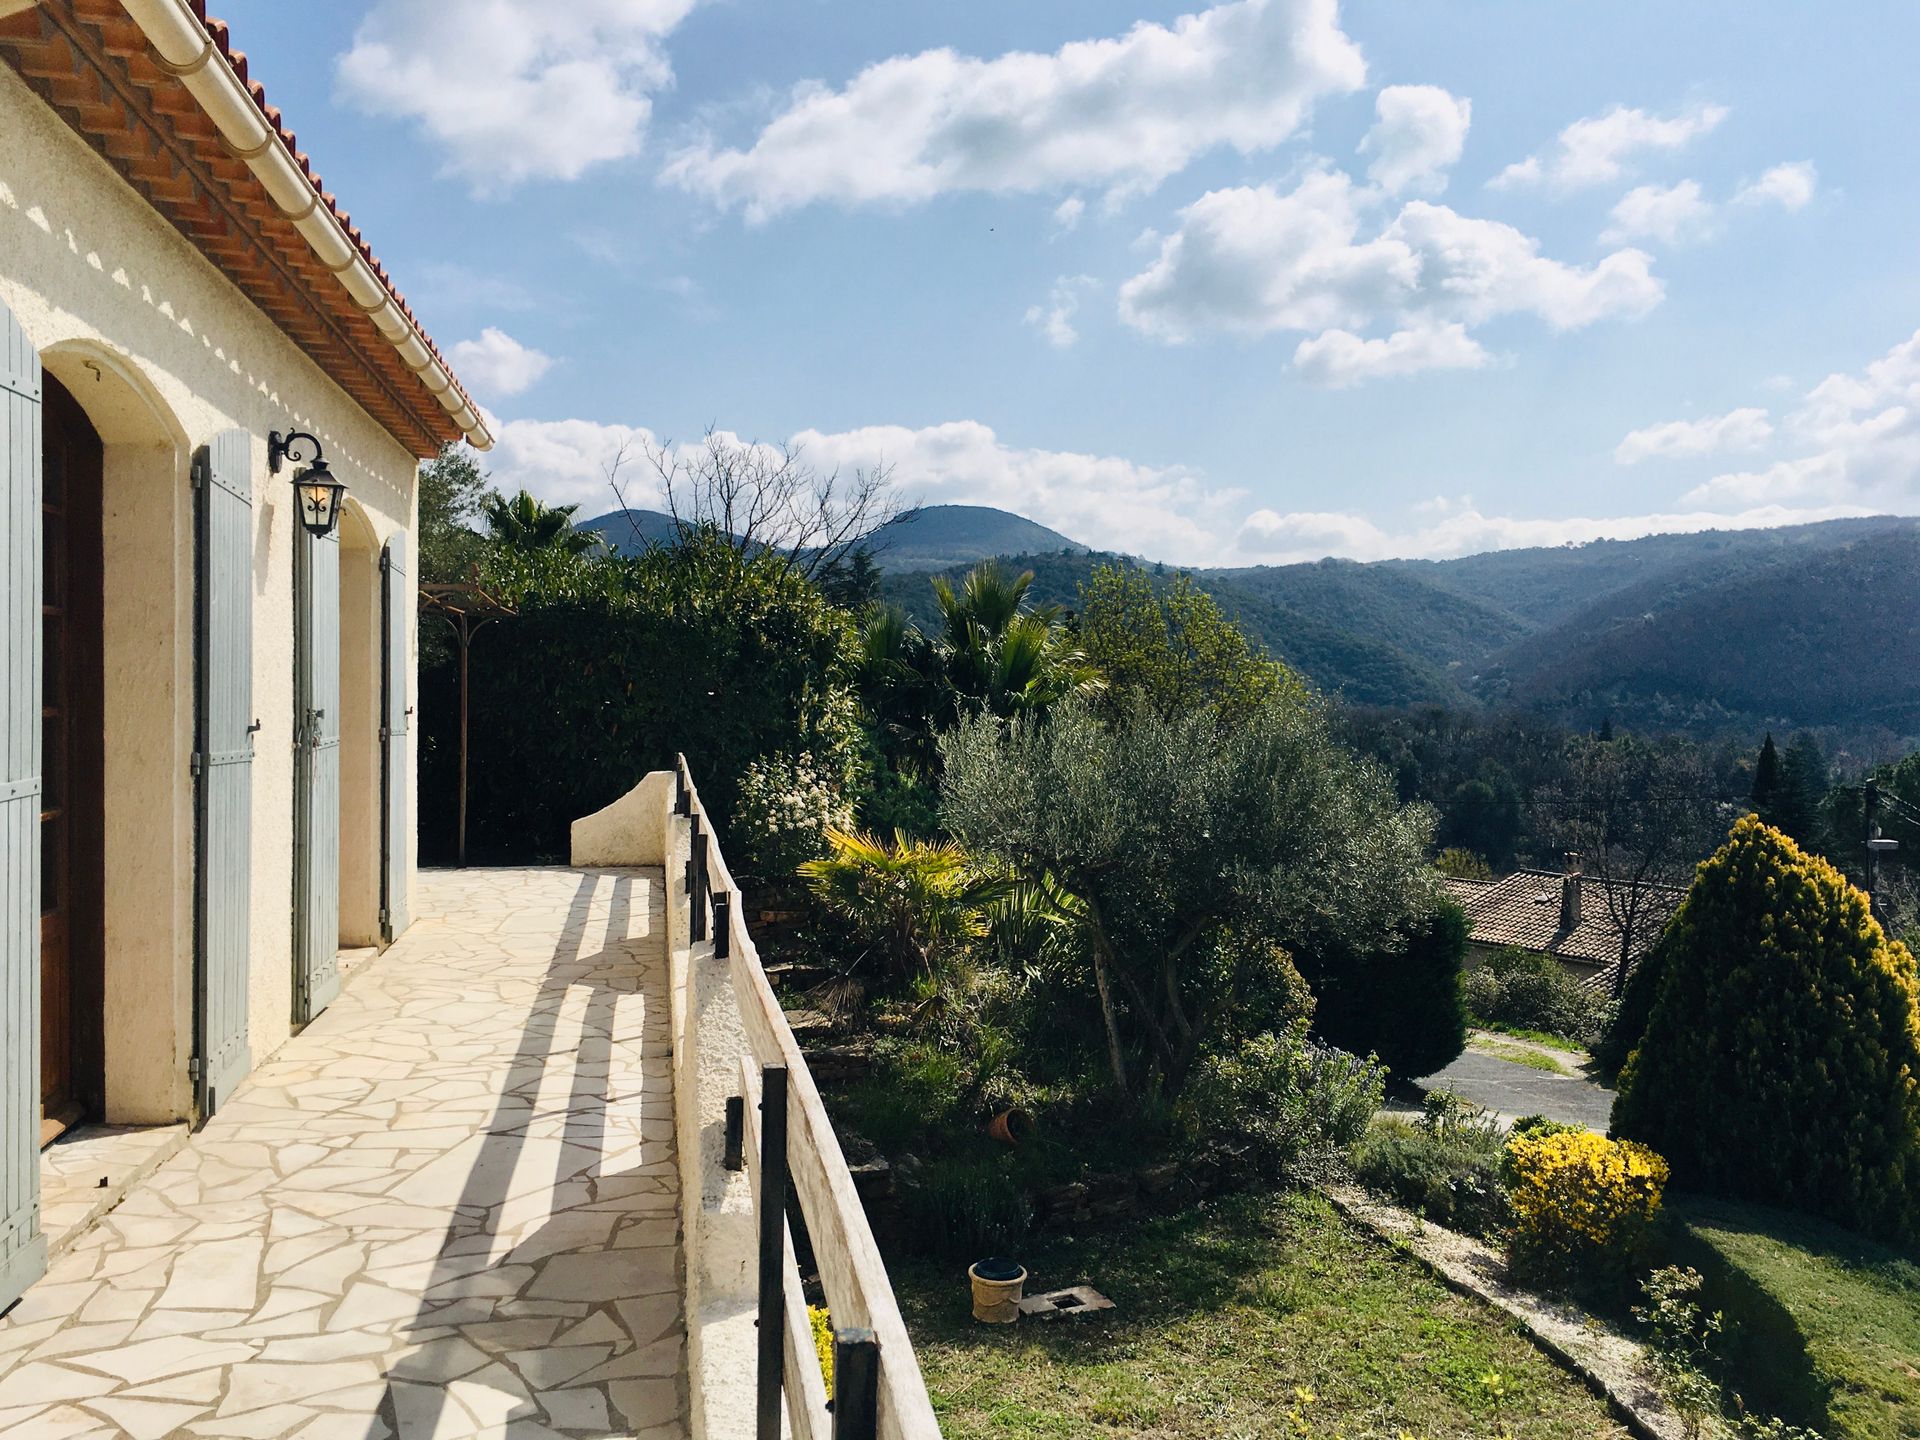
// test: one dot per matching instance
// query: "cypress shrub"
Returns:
(1781, 1059)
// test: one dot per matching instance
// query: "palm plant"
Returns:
(524, 523)
(918, 902)
(998, 653)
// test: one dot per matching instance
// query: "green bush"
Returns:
(1402, 1003)
(1530, 991)
(1781, 1061)
(966, 1207)
(785, 810)
(1285, 1103)
(1445, 1165)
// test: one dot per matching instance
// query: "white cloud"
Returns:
(1789, 186)
(515, 90)
(1066, 215)
(1860, 442)
(1747, 429)
(1417, 138)
(1597, 150)
(1107, 501)
(1270, 537)
(565, 462)
(1339, 358)
(497, 366)
(1127, 112)
(1055, 318)
(1252, 260)
(1671, 214)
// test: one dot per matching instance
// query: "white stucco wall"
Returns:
(165, 352)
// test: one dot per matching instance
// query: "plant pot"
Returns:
(998, 1284)
(1010, 1127)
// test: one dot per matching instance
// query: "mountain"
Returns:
(631, 531)
(1810, 625)
(931, 538)
(936, 537)
(1798, 635)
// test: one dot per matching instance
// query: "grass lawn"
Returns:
(1825, 1321)
(1538, 1037)
(1517, 1054)
(1227, 1314)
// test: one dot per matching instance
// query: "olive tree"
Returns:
(1195, 855)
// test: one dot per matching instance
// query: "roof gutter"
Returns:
(186, 50)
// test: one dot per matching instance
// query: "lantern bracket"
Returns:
(280, 448)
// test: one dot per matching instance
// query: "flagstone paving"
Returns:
(448, 1208)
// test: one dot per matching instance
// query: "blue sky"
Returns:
(1231, 284)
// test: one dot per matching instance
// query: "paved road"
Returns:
(1514, 1090)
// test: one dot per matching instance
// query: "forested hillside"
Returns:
(1813, 625)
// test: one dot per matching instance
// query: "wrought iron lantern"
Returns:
(315, 491)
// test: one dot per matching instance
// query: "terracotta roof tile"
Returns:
(93, 66)
(1522, 911)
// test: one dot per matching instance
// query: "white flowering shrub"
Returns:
(783, 812)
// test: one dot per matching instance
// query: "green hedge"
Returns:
(611, 666)
(1402, 1004)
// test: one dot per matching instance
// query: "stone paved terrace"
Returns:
(449, 1208)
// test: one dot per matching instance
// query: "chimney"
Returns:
(1570, 892)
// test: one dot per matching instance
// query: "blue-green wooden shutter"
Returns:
(23, 1249)
(316, 776)
(396, 814)
(223, 763)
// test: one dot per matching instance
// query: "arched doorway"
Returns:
(72, 799)
(360, 687)
(127, 551)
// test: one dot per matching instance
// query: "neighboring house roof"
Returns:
(258, 212)
(1522, 912)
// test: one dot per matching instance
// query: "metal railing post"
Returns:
(772, 1214)
(856, 1385)
(722, 925)
(734, 1159)
(697, 885)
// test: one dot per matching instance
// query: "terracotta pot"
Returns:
(1010, 1127)
(997, 1287)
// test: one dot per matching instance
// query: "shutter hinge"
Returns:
(195, 1069)
(197, 472)
(193, 765)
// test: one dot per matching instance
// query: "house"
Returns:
(208, 757)
(1574, 917)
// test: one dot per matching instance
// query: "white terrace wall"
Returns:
(165, 352)
(718, 1237)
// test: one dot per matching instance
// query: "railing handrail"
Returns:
(859, 1295)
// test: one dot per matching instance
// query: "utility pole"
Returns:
(1875, 844)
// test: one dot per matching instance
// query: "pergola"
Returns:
(468, 608)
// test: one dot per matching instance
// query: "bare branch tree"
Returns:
(768, 499)
(1639, 815)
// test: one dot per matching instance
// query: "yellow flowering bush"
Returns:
(1581, 1202)
(822, 1325)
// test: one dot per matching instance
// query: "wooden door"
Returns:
(72, 868)
(23, 1248)
(223, 764)
(316, 773)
